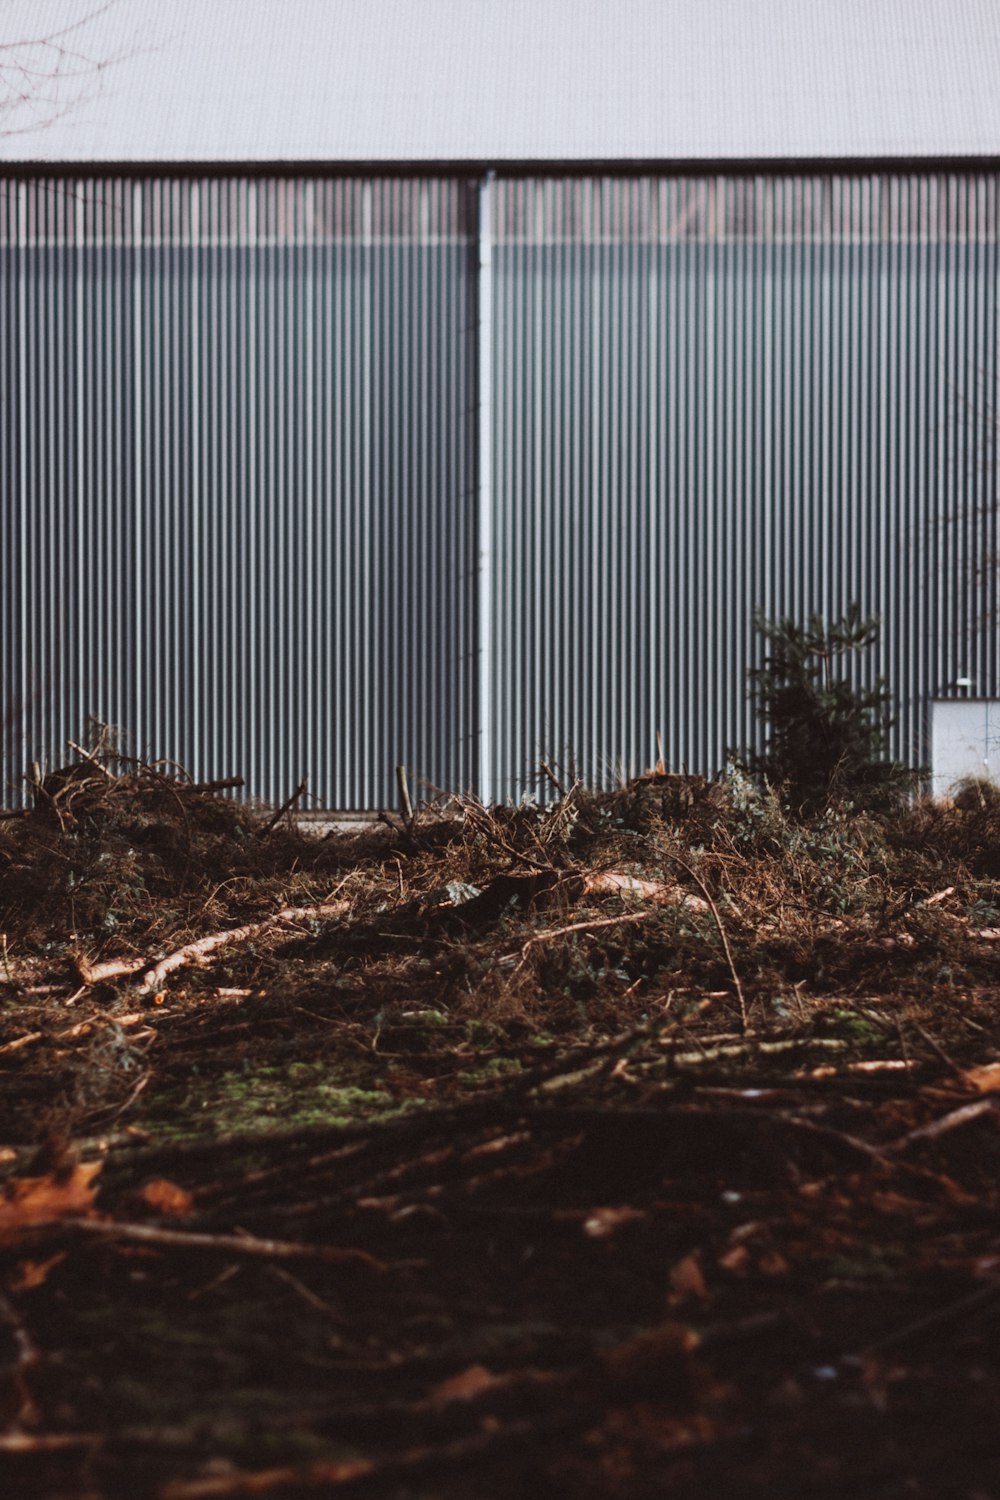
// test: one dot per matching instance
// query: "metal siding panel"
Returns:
(236, 471)
(239, 453)
(814, 381)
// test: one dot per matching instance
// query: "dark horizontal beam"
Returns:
(790, 166)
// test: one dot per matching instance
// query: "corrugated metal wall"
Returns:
(239, 463)
(719, 394)
(237, 459)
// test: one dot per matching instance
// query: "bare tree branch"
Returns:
(46, 76)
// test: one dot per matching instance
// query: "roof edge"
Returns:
(541, 167)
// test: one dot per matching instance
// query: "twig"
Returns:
(336, 1476)
(223, 784)
(939, 1051)
(226, 1244)
(155, 973)
(951, 1121)
(551, 776)
(40, 793)
(622, 884)
(46, 1442)
(127, 1103)
(551, 932)
(941, 1315)
(306, 1293)
(737, 1049)
(488, 825)
(90, 756)
(285, 807)
(902, 1043)
(21, 1041)
(406, 806)
(706, 893)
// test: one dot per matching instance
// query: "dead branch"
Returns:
(552, 778)
(46, 1442)
(45, 75)
(405, 805)
(199, 949)
(707, 895)
(949, 890)
(21, 1041)
(90, 756)
(933, 1320)
(939, 1051)
(334, 1477)
(552, 932)
(285, 807)
(193, 952)
(741, 1048)
(481, 819)
(866, 1065)
(154, 973)
(619, 883)
(225, 1244)
(951, 1121)
(114, 968)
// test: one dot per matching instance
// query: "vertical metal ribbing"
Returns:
(240, 443)
(795, 413)
(236, 466)
(134, 236)
(484, 483)
(25, 703)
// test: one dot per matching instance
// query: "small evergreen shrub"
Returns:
(825, 737)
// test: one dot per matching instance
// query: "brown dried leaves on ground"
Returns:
(642, 1143)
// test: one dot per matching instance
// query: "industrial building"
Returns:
(445, 384)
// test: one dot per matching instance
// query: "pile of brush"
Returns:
(598, 903)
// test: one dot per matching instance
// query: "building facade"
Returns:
(328, 473)
(447, 384)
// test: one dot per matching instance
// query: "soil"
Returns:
(643, 1143)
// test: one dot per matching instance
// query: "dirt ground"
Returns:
(642, 1143)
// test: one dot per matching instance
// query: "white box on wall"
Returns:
(965, 741)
